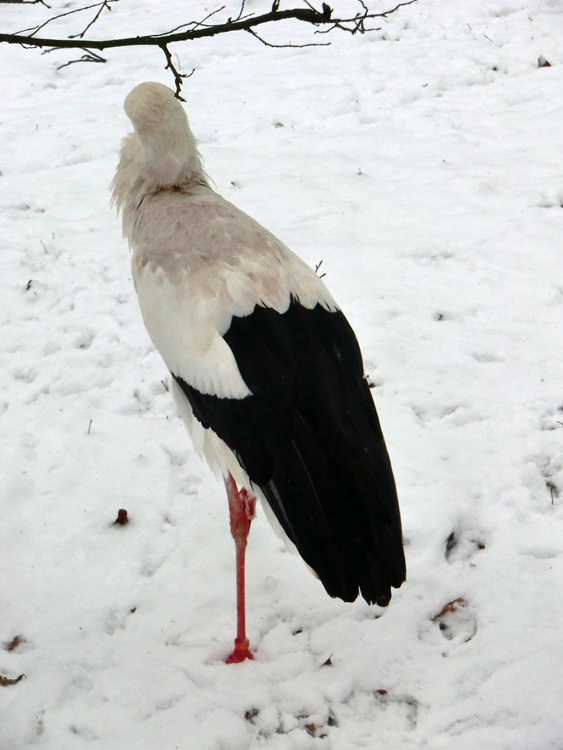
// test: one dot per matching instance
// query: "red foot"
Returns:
(240, 653)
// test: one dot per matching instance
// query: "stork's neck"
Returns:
(168, 157)
(148, 166)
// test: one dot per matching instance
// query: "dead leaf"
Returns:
(450, 607)
(14, 643)
(4, 681)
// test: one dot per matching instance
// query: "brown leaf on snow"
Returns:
(451, 607)
(14, 643)
(4, 681)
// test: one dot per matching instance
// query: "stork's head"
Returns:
(162, 151)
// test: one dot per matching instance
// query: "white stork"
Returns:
(266, 371)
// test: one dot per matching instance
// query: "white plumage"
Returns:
(267, 374)
(197, 259)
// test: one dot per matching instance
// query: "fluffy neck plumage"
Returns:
(160, 154)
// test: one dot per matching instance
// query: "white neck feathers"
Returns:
(160, 154)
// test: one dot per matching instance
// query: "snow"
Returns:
(422, 164)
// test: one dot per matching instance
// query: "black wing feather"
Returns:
(310, 438)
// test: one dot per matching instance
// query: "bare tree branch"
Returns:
(306, 15)
(198, 30)
(357, 24)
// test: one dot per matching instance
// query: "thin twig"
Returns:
(178, 77)
(193, 24)
(89, 56)
(283, 46)
(241, 11)
(353, 25)
(35, 29)
(103, 6)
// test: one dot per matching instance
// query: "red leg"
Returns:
(241, 510)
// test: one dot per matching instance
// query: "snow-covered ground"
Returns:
(423, 163)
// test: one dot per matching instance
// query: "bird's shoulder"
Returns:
(184, 227)
(197, 248)
(211, 263)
